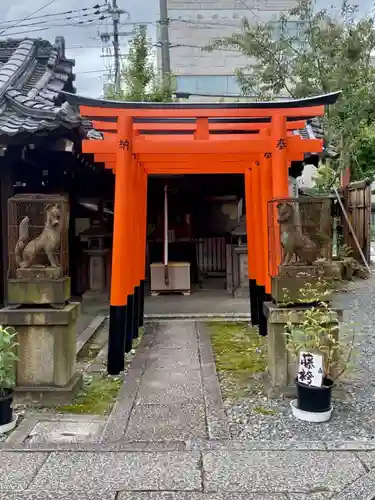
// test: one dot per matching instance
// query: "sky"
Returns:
(82, 42)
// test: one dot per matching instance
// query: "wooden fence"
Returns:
(211, 255)
(357, 202)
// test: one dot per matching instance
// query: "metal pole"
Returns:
(352, 231)
(164, 39)
(166, 228)
(116, 45)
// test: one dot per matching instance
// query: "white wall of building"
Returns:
(194, 23)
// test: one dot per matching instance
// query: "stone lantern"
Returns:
(97, 241)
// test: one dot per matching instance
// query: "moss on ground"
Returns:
(240, 354)
(97, 396)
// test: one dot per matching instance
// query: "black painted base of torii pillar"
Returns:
(124, 324)
(258, 296)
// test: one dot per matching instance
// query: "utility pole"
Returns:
(164, 40)
(116, 46)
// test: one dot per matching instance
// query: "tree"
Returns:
(325, 53)
(140, 80)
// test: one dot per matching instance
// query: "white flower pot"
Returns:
(309, 416)
(9, 427)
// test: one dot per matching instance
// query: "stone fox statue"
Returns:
(48, 240)
(294, 242)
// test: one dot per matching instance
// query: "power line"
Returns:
(57, 14)
(82, 24)
(50, 2)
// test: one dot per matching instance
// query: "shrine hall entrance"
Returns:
(193, 224)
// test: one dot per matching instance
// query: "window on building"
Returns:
(208, 84)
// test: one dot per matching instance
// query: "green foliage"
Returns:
(240, 353)
(327, 52)
(326, 178)
(8, 358)
(320, 332)
(97, 397)
(140, 80)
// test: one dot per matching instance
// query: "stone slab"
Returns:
(367, 458)
(163, 386)
(272, 471)
(165, 423)
(119, 471)
(57, 495)
(182, 495)
(65, 432)
(44, 421)
(361, 489)
(164, 357)
(18, 469)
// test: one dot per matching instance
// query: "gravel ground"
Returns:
(256, 417)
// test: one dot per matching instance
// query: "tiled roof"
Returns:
(33, 73)
(314, 130)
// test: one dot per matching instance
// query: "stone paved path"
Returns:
(167, 439)
(171, 392)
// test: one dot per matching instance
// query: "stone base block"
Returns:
(39, 273)
(47, 346)
(39, 291)
(282, 367)
(49, 395)
(286, 290)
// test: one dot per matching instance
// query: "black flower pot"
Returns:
(6, 410)
(314, 399)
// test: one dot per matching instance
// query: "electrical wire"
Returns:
(57, 14)
(85, 24)
(50, 2)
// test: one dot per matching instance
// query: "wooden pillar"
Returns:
(266, 190)
(120, 279)
(6, 192)
(280, 185)
(251, 255)
(131, 325)
(280, 181)
(143, 245)
(256, 189)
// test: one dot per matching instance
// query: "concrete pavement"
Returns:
(167, 438)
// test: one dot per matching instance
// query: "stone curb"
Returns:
(150, 318)
(217, 423)
(196, 445)
(119, 418)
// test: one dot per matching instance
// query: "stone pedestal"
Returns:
(286, 287)
(46, 370)
(39, 291)
(282, 367)
(97, 270)
(242, 282)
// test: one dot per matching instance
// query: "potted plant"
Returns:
(322, 358)
(7, 377)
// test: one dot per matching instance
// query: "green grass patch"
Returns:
(97, 396)
(240, 353)
(264, 411)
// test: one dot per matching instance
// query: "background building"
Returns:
(193, 23)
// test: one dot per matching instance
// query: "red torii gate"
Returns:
(254, 139)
